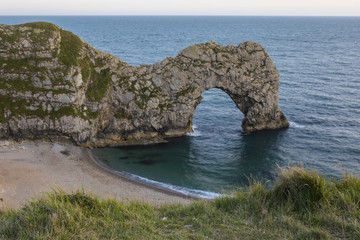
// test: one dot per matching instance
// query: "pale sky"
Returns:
(182, 7)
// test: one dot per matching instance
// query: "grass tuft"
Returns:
(346, 193)
(298, 187)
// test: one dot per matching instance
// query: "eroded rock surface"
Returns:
(53, 85)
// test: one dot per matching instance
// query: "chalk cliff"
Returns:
(55, 86)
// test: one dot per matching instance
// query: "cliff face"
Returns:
(54, 85)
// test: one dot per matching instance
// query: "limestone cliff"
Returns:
(53, 85)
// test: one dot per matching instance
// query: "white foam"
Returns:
(195, 133)
(183, 190)
(296, 125)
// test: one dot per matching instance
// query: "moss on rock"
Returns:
(122, 114)
(186, 91)
(20, 108)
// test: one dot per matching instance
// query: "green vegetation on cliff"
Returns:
(70, 47)
(99, 85)
(186, 91)
(40, 25)
(44, 71)
(20, 108)
(300, 205)
(122, 114)
(14, 107)
(20, 85)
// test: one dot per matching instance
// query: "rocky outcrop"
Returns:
(54, 85)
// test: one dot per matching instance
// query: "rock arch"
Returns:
(55, 85)
(245, 72)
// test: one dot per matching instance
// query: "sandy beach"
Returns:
(31, 169)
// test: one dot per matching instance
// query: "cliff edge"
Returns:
(55, 86)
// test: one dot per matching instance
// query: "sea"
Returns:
(319, 63)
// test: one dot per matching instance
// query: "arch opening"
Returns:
(217, 113)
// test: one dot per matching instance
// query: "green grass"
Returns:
(99, 85)
(40, 25)
(70, 47)
(301, 204)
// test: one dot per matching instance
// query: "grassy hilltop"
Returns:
(301, 204)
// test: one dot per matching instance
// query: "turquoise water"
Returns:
(319, 62)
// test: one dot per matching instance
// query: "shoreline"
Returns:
(101, 166)
(30, 169)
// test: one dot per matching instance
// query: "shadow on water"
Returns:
(259, 154)
(233, 162)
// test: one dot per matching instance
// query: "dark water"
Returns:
(319, 62)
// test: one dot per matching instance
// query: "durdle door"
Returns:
(53, 85)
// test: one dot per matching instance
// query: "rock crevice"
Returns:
(53, 85)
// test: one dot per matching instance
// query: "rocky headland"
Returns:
(54, 86)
